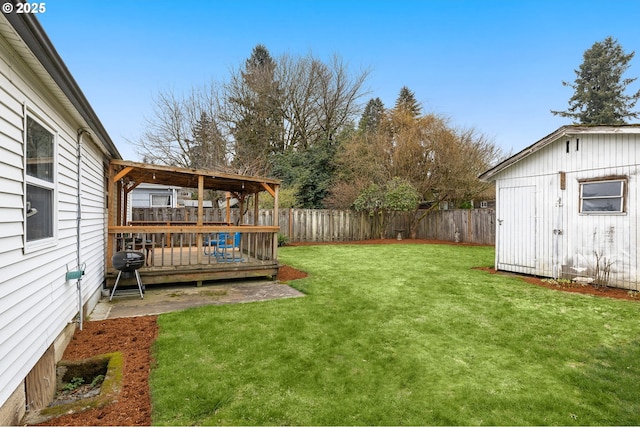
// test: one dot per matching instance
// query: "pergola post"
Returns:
(111, 213)
(256, 209)
(276, 221)
(200, 221)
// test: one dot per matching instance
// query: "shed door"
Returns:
(517, 227)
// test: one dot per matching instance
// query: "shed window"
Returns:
(602, 196)
(40, 182)
(161, 200)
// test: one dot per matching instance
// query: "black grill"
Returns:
(128, 261)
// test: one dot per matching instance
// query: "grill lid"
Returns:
(127, 260)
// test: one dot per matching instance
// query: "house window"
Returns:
(160, 200)
(484, 204)
(40, 182)
(602, 196)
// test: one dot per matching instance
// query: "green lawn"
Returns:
(401, 335)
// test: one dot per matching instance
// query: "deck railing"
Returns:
(185, 246)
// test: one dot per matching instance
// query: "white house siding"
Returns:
(614, 237)
(94, 221)
(36, 303)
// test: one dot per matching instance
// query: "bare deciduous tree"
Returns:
(319, 98)
(339, 94)
(183, 131)
(271, 116)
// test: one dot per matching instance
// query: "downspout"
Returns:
(81, 131)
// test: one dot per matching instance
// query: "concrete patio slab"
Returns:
(163, 299)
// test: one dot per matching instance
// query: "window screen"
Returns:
(161, 200)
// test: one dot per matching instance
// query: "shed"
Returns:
(154, 196)
(567, 206)
(54, 154)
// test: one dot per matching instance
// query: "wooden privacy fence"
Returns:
(331, 225)
(461, 225)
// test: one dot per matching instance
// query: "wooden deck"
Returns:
(173, 265)
(184, 249)
(195, 257)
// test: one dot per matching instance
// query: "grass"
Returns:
(401, 335)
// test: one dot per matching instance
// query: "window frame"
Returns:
(623, 180)
(34, 181)
(168, 195)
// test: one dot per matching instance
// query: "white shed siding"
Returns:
(36, 303)
(613, 237)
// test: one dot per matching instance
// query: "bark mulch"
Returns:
(134, 336)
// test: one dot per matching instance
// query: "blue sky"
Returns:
(496, 66)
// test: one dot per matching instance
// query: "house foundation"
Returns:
(37, 389)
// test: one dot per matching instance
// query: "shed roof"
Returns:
(133, 172)
(564, 131)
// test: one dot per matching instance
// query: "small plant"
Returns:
(73, 384)
(282, 239)
(602, 270)
(97, 380)
(560, 283)
(633, 294)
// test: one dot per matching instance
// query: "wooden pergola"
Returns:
(190, 258)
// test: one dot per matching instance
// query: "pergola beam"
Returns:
(124, 172)
(269, 189)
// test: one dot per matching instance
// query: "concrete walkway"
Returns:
(162, 299)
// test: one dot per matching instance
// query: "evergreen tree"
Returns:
(208, 148)
(372, 116)
(407, 103)
(255, 113)
(260, 60)
(260, 78)
(317, 168)
(599, 89)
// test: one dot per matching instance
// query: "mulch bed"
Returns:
(134, 337)
(387, 241)
(585, 289)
